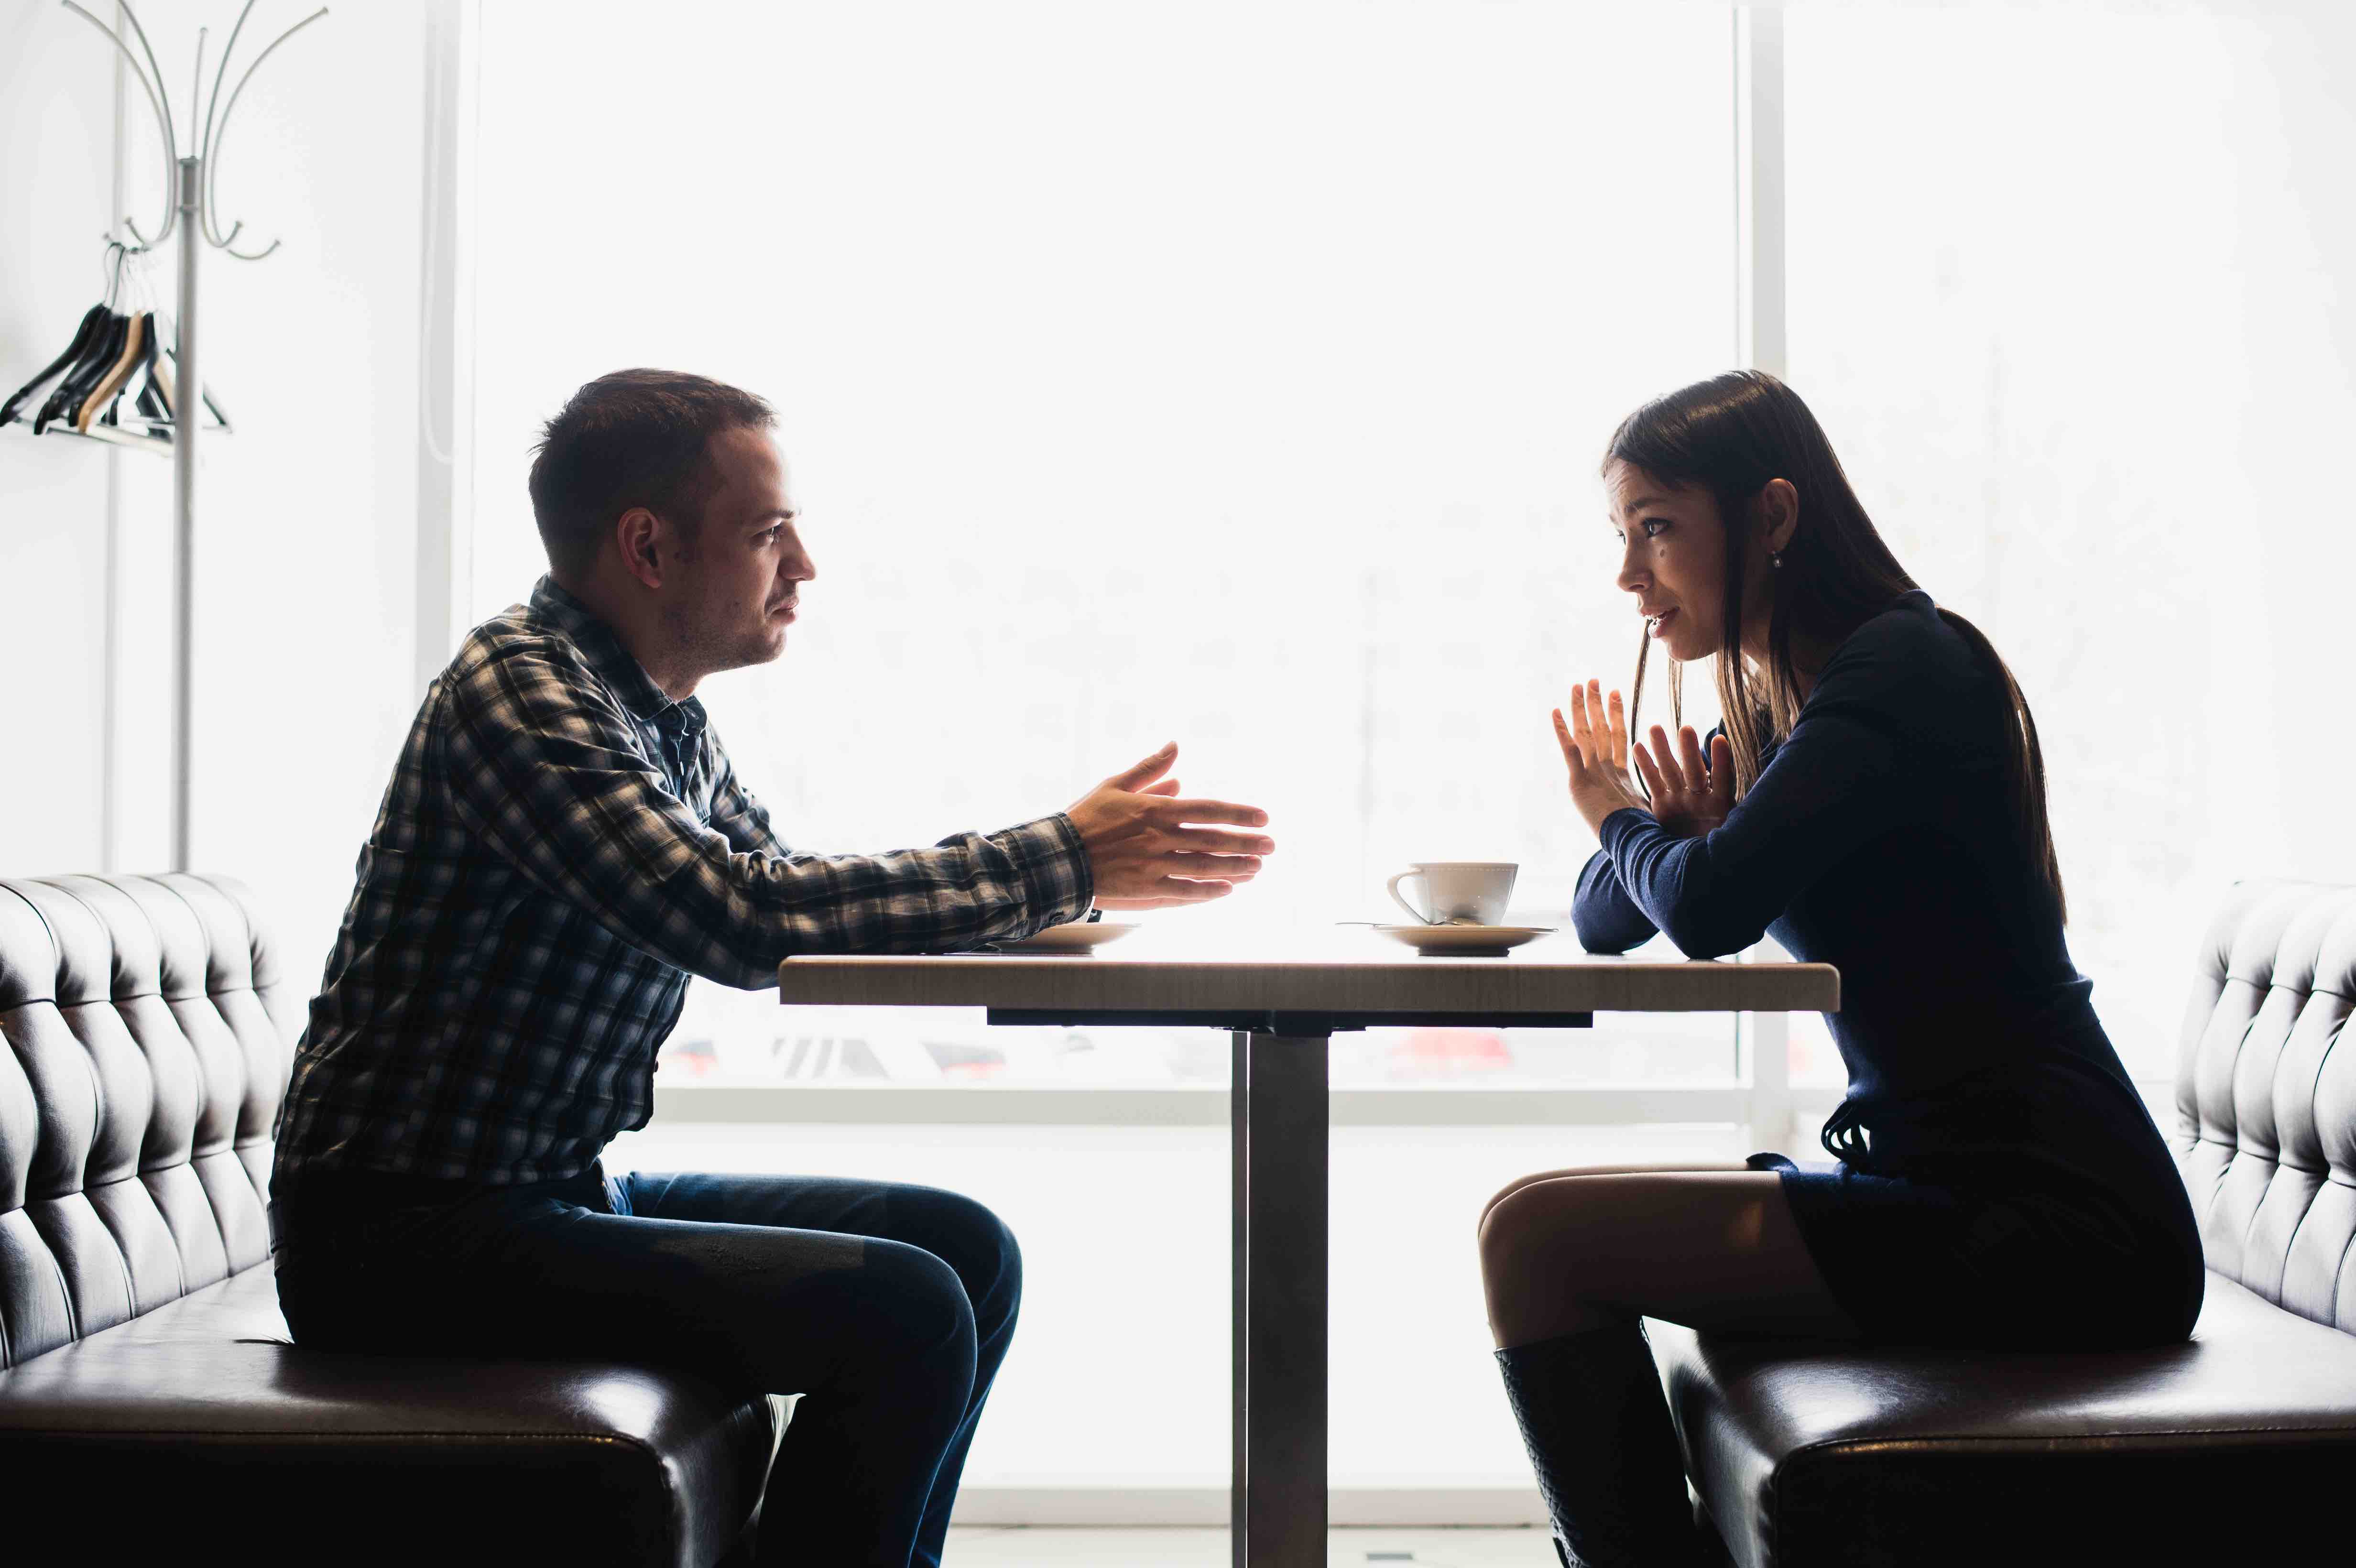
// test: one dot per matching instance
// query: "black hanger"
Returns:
(98, 358)
(88, 349)
(101, 350)
(90, 324)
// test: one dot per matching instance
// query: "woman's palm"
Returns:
(1691, 796)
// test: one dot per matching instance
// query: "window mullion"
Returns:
(1758, 189)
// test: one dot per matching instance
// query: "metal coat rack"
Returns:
(188, 208)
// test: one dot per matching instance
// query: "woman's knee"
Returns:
(1524, 1277)
(1568, 1235)
(1519, 1185)
(1506, 1191)
(1522, 1183)
(1562, 1255)
(1510, 1226)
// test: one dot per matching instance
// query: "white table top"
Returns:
(1326, 973)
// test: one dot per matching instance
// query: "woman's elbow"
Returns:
(1605, 936)
(1708, 936)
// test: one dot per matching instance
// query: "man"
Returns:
(563, 844)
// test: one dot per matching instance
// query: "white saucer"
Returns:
(1077, 936)
(1463, 941)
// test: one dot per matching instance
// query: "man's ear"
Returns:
(1779, 514)
(639, 534)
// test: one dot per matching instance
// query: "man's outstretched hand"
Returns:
(1143, 850)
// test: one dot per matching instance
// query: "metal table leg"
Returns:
(1280, 1129)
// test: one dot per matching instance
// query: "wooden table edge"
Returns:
(1483, 986)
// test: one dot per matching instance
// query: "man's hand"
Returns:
(1690, 796)
(1143, 854)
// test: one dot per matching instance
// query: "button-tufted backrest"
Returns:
(2265, 1105)
(148, 1045)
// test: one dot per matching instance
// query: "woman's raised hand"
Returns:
(1690, 796)
(1594, 741)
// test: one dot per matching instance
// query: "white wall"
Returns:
(306, 522)
(56, 161)
(2297, 234)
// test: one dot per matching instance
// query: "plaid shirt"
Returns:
(562, 845)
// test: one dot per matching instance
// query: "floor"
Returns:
(1026, 1547)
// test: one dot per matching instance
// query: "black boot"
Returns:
(1599, 1435)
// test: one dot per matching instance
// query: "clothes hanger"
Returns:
(95, 364)
(146, 402)
(143, 301)
(103, 408)
(101, 398)
(108, 426)
(96, 360)
(84, 338)
(98, 357)
(146, 368)
(157, 435)
(90, 324)
(165, 375)
(150, 402)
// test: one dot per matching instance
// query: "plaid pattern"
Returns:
(562, 845)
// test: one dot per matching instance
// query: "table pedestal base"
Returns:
(1280, 1013)
(1282, 1143)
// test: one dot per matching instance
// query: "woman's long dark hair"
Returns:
(1732, 434)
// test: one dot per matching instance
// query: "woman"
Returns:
(1874, 800)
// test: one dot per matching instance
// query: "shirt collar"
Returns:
(612, 661)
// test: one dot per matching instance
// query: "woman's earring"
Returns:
(1775, 559)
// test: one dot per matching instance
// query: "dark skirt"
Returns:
(2038, 1263)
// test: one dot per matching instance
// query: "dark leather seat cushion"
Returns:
(129, 1439)
(1833, 1454)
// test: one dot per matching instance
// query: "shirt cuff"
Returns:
(1058, 883)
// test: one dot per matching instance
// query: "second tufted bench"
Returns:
(2237, 1442)
(150, 1403)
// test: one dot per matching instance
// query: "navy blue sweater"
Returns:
(1881, 837)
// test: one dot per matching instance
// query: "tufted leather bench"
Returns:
(2237, 1442)
(150, 1402)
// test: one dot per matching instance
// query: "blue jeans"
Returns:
(887, 1307)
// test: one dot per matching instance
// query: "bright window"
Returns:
(2016, 303)
(1235, 374)
(1230, 373)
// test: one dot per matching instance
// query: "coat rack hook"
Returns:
(217, 132)
(212, 106)
(160, 101)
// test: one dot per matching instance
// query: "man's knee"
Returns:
(912, 1303)
(972, 1240)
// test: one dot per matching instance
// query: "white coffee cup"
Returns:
(1474, 891)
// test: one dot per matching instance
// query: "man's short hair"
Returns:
(633, 438)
